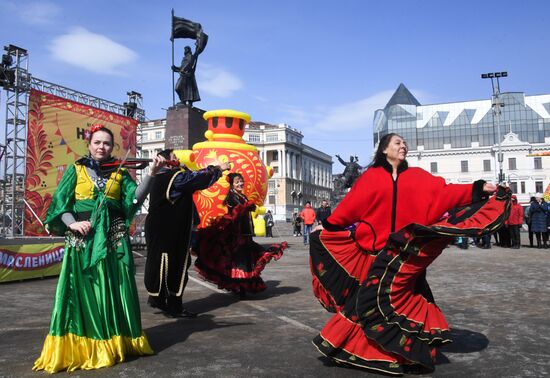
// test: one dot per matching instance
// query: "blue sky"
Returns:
(321, 67)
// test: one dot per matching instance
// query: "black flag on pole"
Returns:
(202, 40)
(183, 28)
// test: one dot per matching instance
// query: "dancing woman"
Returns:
(373, 277)
(96, 320)
(227, 254)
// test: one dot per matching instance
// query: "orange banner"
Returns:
(57, 132)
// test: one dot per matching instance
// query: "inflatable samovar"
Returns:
(225, 143)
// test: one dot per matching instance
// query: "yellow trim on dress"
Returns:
(71, 352)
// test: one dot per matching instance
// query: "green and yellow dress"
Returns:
(96, 319)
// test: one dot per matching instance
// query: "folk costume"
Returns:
(227, 254)
(373, 277)
(168, 228)
(96, 320)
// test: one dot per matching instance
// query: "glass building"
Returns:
(463, 124)
(459, 140)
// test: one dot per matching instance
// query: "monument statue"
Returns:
(351, 172)
(186, 87)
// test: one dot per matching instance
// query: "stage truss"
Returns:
(17, 82)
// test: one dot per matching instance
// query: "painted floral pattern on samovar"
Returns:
(224, 143)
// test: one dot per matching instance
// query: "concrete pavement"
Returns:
(497, 301)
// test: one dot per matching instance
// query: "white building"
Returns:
(459, 141)
(300, 173)
(151, 137)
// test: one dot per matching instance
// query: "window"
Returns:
(538, 187)
(538, 163)
(272, 199)
(523, 186)
(464, 166)
(514, 187)
(145, 154)
(275, 155)
(158, 134)
(512, 164)
(144, 137)
(433, 167)
(486, 165)
(254, 137)
(272, 137)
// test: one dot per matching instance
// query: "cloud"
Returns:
(218, 82)
(296, 116)
(93, 52)
(357, 115)
(260, 98)
(39, 13)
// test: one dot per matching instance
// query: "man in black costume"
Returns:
(168, 229)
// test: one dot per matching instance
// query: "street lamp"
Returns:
(496, 104)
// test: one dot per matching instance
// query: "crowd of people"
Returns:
(368, 258)
(533, 218)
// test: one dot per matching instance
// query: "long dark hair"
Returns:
(380, 156)
(231, 177)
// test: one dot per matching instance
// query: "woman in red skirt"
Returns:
(369, 260)
(227, 255)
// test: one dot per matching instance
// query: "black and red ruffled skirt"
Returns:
(386, 319)
(231, 260)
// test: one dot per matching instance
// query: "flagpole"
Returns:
(172, 39)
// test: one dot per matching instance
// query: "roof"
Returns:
(402, 96)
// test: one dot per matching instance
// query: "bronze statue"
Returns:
(351, 172)
(186, 87)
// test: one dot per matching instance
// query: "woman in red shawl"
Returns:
(373, 276)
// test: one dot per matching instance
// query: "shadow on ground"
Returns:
(165, 335)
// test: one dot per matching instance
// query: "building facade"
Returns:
(151, 137)
(300, 173)
(460, 141)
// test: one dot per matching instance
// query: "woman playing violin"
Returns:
(96, 319)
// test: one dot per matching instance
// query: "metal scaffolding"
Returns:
(16, 85)
(17, 82)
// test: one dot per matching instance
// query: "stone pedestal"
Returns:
(185, 126)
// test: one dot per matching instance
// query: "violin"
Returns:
(132, 163)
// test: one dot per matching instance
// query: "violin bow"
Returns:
(95, 215)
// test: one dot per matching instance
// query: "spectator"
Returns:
(323, 212)
(527, 216)
(308, 217)
(537, 214)
(297, 223)
(268, 217)
(515, 221)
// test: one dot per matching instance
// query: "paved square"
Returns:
(497, 302)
